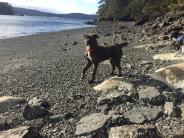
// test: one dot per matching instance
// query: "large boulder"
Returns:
(8, 102)
(118, 83)
(172, 75)
(139, 115)
(169, 57)
(93, 123)
(20, 132)
(36, 108)
(137, 131)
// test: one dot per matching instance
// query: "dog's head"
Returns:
(90, 39)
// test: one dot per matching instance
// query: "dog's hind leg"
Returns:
(113, 66)
(87, 66)
(118, 65)
(95, 66)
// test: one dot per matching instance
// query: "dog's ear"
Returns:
(96, 35)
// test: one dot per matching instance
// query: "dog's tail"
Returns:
(122, 45)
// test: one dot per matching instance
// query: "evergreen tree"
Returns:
(136, 9)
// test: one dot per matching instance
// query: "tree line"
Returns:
(6, 9)
(136, 9)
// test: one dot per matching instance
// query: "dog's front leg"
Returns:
(95, 66)
(113, 66)
(87, 66)
(119, 69)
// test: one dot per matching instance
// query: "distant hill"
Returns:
(6, 9)
(30, 12)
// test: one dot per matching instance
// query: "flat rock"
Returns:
(114, 83)
(21, 132)
(160, 44)
(139, 115)
(114, 97)
(148, 93)
(8, 102)
(151, 95)
(171, 75)
(137, 131)
(92, 123)
(169, 57)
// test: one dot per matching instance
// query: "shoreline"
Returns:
(46, 33)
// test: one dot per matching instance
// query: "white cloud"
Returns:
(90, 1)
(60, 6)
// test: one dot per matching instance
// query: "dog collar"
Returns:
(89, 50)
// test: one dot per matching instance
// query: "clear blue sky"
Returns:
(58, 6)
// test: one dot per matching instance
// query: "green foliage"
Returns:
(177, 5)
(181, 3)
(5, 8)
(136, 9)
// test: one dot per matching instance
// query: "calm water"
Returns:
(13, 26)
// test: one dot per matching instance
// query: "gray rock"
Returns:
(114, 83)
(169, 57)
(36, 108)
(128, 66)
(21, 132)
(171, 75)
(8, 102)
(54, 119)
(92, 123)
(134, 131)
(135, 117)
(139, 115)
(148, 93)
(169, 108)
(151, 95)
(114, 97)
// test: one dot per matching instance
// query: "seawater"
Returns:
(14, 26)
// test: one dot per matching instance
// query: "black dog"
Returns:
(96, 54)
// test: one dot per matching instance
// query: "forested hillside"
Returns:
(136, 9)
(6, 9)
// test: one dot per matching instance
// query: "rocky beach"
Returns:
(42, 95)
